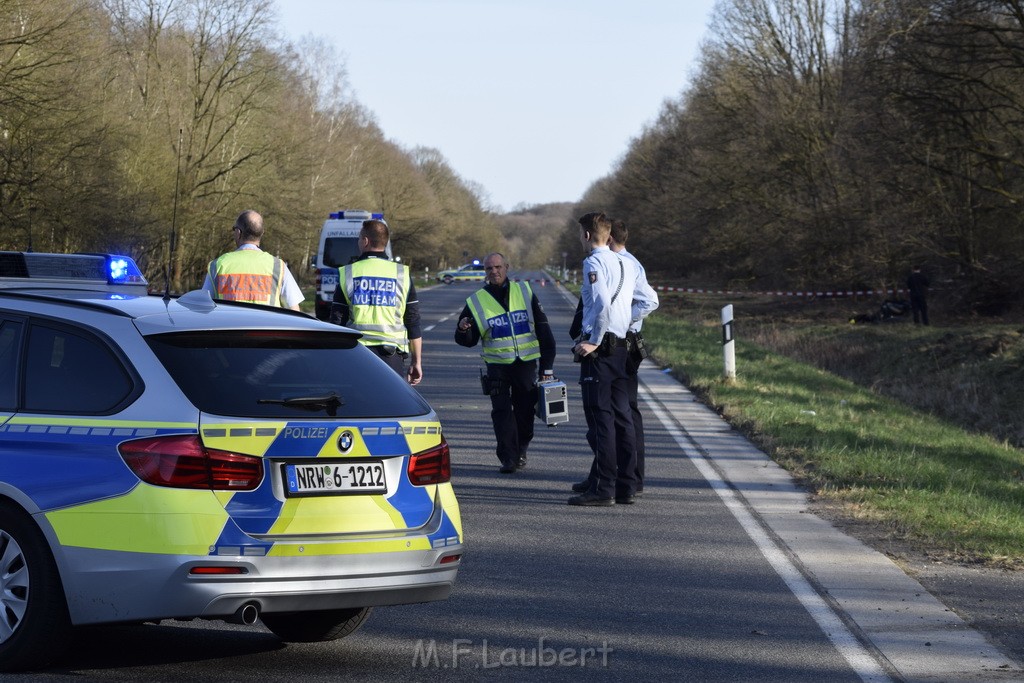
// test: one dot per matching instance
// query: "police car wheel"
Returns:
(34, 621)
(448, 279)
(312, 627)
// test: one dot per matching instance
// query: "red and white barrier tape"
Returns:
(737, 292)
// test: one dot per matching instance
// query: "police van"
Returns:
(339, 246)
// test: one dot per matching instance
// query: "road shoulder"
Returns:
(883, 602)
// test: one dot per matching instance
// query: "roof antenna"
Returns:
(31, 195)
(174, 220)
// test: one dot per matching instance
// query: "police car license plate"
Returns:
(334, 478)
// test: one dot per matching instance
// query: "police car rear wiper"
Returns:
(329, 402)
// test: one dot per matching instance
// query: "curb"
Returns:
(915, 637)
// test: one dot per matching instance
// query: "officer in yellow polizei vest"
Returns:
(250, 274)
(513, 328)
(376, 296)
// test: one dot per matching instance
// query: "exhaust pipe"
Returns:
(246, 615)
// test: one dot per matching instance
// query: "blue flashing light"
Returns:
(476, 262)
(118, 267)
(377, 216)
(123, 270)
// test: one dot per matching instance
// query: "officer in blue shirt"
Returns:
(607, 293)
(645, 302)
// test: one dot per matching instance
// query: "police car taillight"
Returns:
(433, 466)
(181, 461)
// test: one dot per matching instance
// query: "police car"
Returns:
(467, 273)
(180, 458)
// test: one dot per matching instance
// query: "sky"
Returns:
(532, 100)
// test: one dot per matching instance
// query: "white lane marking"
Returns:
(828, 621)
(428, 328)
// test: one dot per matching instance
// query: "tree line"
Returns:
(833, 144)
(145, 126)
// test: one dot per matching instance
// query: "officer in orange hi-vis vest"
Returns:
(250, 274)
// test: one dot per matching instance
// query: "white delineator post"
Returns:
(728, 345)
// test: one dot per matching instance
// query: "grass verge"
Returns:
(934, 485)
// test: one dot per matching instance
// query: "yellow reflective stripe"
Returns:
(451, 506)
(421, 435)
(336, 514)
(380, 324)
(149, 519)
(485, 307)
(248, 275)
(246, 438)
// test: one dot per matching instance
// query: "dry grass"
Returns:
(967, 371)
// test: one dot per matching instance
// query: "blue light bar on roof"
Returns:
(350, 214)
(122, 270)
(109, 269)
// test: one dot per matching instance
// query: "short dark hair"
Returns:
(376, 233)
(596, 223)
(619, 232)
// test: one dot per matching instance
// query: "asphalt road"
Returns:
(707, 578)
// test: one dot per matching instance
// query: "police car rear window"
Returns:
(282, 374)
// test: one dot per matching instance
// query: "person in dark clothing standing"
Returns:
(917, 284)
(376, 296)
(507, 318)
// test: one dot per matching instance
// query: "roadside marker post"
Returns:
(728, 345)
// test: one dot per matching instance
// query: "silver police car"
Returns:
(180, 458)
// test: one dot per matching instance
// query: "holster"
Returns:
(607, 346)
(491, 386)
(637, 346)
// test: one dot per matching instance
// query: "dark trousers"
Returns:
(604, 384)
(513, 406)
(638, 426)
(395, 359)
(919, 307)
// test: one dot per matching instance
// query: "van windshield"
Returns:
(340, 251)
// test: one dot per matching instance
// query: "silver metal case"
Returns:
(552, 402)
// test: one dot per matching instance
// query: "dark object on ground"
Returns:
(889, 310)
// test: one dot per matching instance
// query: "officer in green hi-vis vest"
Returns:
(250, 274)
(376, 296)
(511, 324)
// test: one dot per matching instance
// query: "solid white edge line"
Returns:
(859, 659)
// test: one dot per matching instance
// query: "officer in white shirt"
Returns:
(607, 293)
(645, 302)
